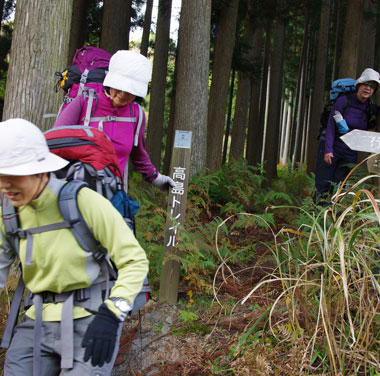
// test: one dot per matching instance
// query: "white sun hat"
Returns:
(24, 151)
(368, 74)
(129, 71)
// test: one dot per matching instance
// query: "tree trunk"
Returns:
(239, 129)
(274, 113)
(351, 40)
(299, 98)
(224, 47)
(36, 54)
(146, 28)
(192, 77)
(368, 38)
(1, 10)
(254, 111)
(338, 31)
(170, 130)
(229, 117)
(115, 25)
(78, 27)
(319, 86)
(157, 97)
(260, 129)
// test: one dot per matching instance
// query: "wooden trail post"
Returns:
(180, 169)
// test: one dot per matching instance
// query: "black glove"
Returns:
(100, 337)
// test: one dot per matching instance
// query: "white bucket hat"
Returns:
(129, 71)
(24, 151)
(368, 74)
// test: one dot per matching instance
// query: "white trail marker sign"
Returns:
(362, 141)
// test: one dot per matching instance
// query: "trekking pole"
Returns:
(180, 167)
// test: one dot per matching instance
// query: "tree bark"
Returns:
(115, 25)
(254, 111)
(78, 27)
(36, 55)
(192, 77)
(146, 28)
(338, 31)
(239, 129)
(224, 47)
(299, 97)
(319, 86)
(351, 40)
(1, 10)
(229, 117)
(157, 97)
(368, 38)
(274, 113)
(259, 129)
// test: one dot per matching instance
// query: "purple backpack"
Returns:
(88, 69)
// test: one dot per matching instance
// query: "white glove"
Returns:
(163, 182)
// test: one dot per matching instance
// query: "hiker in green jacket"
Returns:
(69, 329)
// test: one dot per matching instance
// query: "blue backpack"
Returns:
(345, 86)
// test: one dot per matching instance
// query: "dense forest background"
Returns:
(269, 281)
(248, 77)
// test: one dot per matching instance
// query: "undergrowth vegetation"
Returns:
(278, 285)
(236, 188)
(322, 292)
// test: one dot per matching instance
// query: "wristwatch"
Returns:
(123, 306)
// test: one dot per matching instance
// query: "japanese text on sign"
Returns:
(179, 176)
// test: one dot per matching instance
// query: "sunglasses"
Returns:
(370, 84)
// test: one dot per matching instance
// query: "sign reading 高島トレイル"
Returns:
(180, 166)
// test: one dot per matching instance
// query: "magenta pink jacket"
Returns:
(121, 133)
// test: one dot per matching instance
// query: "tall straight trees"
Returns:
(192, 77)
(224, 47)
(115, 25)
(349, 61)
(368, 37)
(258, 131)
(39, 48)
(254, 110)
(275, 90)
(146, 28)
(157, 97)
(78, 27)
(319, 86)
(239, 128)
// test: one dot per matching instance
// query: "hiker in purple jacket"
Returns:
(114, 112)
(348, 113)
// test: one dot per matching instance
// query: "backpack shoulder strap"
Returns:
(68, 205)
(91, 94)
(138, 127)
(67, 202)
(347, 104)
(11, 223)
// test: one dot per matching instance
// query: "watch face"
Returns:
(123, 306)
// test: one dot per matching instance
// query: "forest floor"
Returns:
(165, 344)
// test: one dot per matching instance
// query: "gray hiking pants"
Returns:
(19, 357)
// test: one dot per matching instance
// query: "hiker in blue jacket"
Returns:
(333, 162)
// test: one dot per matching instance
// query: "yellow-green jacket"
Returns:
(59, 264)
